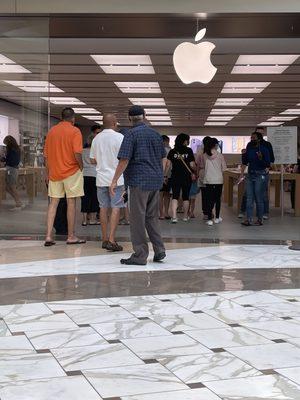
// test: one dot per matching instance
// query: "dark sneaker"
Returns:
(159, 257)
(246, 223)
(104, 244)
(113, 246)
(259, 222)
(130, 261)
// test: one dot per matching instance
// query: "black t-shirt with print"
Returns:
(179, 170)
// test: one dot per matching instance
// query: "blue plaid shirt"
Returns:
(144, 149)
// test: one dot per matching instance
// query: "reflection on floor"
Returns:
(191, 346)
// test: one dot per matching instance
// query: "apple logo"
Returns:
(192, 61)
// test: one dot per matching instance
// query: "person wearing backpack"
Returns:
(211, 166)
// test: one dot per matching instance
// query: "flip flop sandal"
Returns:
(84, 224)
(79, 241)
(49, 243)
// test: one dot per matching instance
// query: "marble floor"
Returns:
(214, 321)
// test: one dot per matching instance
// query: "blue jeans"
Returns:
(266, 196)
(255, 187)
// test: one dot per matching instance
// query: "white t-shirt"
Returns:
(105, 149)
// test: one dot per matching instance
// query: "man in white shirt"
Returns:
(104, 153)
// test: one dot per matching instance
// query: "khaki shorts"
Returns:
(69, 187)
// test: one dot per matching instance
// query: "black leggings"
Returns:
(89, 202)
(214, 194)
(183, 186)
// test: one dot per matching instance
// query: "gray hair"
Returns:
(136, 118)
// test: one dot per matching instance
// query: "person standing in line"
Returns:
(95, 130)
(142, 159)
(183, 173)
(104, 153)
(200, 178)
(257, 158)
(12, 160)
(268, 145)
(89, 202)
(165, 196)
(213, 164)
(63, 159)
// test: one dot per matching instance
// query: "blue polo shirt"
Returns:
(251, 158)
(144, 149)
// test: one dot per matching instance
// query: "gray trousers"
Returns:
(144, 212)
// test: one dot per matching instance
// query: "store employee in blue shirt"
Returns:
(142, 158)
(257, 158)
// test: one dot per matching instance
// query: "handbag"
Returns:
(193, 175)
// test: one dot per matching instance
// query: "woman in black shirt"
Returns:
(183, 167)
(12, 161)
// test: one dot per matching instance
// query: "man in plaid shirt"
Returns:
(142, 158)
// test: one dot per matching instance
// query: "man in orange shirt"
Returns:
(63, 160)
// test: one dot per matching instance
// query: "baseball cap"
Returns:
(136, 110)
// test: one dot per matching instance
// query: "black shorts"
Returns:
(183, 187)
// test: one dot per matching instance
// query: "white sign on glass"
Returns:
(284, 142)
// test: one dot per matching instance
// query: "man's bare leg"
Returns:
(104, 223)
(114, 221)
(52, 208)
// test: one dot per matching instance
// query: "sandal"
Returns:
(246, 223)
(258, 222)
(113, 247)
(78, 241)
(49, 243)
(84, 224)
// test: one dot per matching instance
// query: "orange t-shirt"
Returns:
(62, 142)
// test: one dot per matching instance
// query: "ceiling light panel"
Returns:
(244, 87)
(158, 118)
(138, 87)
(63, 100)
(281, 118)
(8, 66)
(267, 59)
(124, 64)
(216, 123)
(259, 69)
(294, 111)
(156, 111)
(218, 118)
(35, 86)
(225, 111)
(81, 110)
(147, 101)
(161, 123)
(92, 117)
(237, 101)
(268, 123)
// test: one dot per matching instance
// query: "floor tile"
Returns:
(195, 394)
(52, 339)
(29, 366)
(187, 322)
(266, 387)
(270, 356)
(90, 357)
(208, 367)
(24, 310)
(4, 329)
(165, 346)
(287, 294)
(99, 315)
(132, 380)
(281, 309)
(291, 373)
(240, 315)
(205, 303)
(64, 388)
(276, 329)
(15, 345)
(74, 304)
(295, 342)
(129, 329)
(252, 298)
(39, 322)
(127, 300)
(149, 309)
(227, 337)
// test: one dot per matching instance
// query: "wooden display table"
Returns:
(28, 174)
(231, 176)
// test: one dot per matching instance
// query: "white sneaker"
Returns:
(218, 220)
(185, 219)
(241, 215)
(17, 208)
(174, 220)
(265, 217)
(210, 223)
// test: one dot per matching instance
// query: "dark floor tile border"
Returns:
(151, 361)
(196, 385)
(74, 373)
(269, 372)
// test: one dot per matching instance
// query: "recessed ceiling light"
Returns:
(98, 121)
(35, 86)
(92, 117)
(124, 64)
(235, 101)
(148, 101)
(268, 123)
(259, 69)
(215, 123)
(9, 66)
(63, 100)
(267, 59)
(161, 123)
(138, 87)
(216, 118)
(244, 87)
(225, 111)
(156, 111)
(281, 118)
(80, 110)
(295, 111)
(158, 118)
